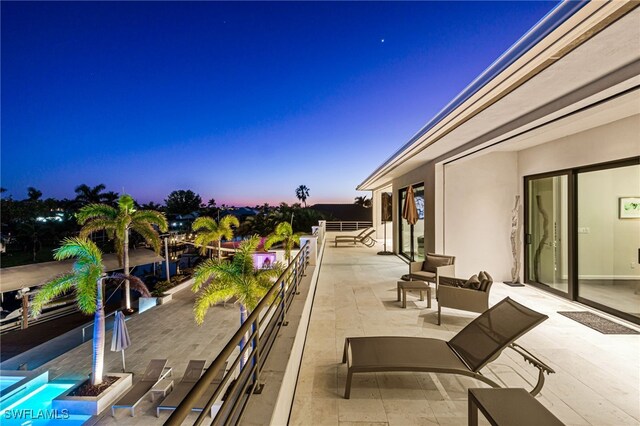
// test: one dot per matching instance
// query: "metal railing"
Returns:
(84, 337)
(259, 332)
(350, 225)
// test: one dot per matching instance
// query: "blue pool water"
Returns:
(6, 381)
(35, 409)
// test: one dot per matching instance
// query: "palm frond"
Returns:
(230, 220)
(91, 211)
(80, 248)
(126, 203)
(151, 217)
(209, 297)
(204, 223)
(209, 269)
(284, 228)
(135, 283)
(204, 239)
(57, 286)
(271, 240)
(149, 234)
(98, 224)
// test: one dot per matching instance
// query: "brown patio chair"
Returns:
(151, 376)
(466, 353)
(191, 375)
(462, 294)
(363, 237)
(433, 266)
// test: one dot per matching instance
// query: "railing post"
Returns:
(257, 386)
(313, 248)
(283, 303)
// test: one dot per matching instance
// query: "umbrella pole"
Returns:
(123, 364)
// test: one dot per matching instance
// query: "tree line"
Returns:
(32, 227)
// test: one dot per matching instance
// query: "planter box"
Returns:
(164, 299)
(94, 405)
(186, 284)
(146, 303)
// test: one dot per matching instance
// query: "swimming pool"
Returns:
(34, 408)
(5, 382)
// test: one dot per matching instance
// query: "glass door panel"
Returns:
(547, 232)
(609, 238)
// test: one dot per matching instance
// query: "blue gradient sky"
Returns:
(241, 102)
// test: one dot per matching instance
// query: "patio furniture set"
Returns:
(469, 351)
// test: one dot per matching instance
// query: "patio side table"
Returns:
(421, 286)
(509, 407)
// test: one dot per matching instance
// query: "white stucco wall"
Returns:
(478, 197)
(614, 141)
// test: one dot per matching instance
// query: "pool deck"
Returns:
(597, 376)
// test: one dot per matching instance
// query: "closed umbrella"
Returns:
(120, 340)
(410, 214)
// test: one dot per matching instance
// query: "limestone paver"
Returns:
(597, 376)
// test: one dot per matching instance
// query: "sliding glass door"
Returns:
(609, 238)
(582, 235)
(547, 232)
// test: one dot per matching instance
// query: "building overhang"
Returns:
(593, 54)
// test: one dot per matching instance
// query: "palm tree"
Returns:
(283, 233)
(88, 195)
(86, 278)
(217, 281)
(302, 193)
(363, 202)
(209, 231)
(118, 222)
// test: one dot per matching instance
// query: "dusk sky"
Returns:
(241, 102)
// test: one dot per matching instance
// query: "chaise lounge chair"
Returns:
(466, 353)
(213, 386)
(363, 237)
(191, 375)
(151, 376)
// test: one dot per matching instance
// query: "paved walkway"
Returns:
(167, 331)
(596, 382)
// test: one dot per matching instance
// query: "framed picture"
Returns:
(629, 207)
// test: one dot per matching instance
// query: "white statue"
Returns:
(515, 241)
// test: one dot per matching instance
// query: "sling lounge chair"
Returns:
(213, 386)
(151, 376)
(466, 353)
(363, 237)
(191, 375)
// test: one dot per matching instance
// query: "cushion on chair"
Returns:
(473, 282)
(432, 262)
(485, 280)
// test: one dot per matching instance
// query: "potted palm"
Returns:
(283, 234)
(87, 279)
(218, 281)
(210, 231)
(118, 222)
